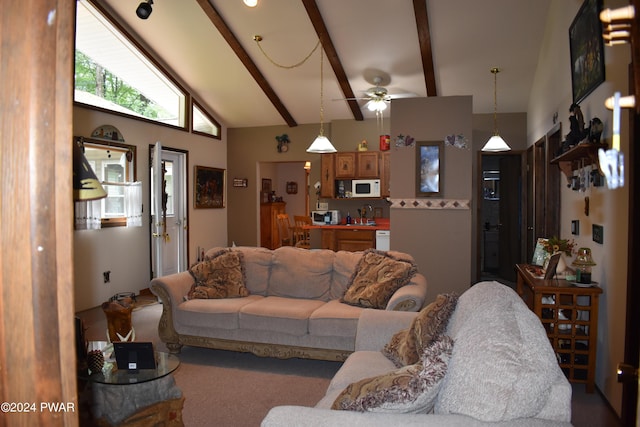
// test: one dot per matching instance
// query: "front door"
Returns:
(169, 214)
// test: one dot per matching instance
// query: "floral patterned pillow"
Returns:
(410, 389)
(377, 276)
(406, 345)
(220, 275)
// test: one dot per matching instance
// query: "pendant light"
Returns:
(86, 185)
(321, 144)
(495, 143)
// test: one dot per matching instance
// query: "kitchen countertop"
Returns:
(381, 224)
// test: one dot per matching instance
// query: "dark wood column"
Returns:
(37, 356)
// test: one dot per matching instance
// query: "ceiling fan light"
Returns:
(377, 105)
(496, 144)
(321, 145)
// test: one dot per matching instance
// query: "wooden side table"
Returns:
(569, 315)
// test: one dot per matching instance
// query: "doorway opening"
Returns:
(500, 216)
(287, 182)
(168, 225)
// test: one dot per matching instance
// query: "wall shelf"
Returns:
(583, 154)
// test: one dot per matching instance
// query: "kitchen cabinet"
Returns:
(569, 315)
(345, 165)
(367, 164)
(348, 240)
(269, 237)
(327, 176)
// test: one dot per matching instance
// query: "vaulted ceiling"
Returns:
(418, 48)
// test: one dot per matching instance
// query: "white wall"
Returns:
(126, 251)
(552, 93)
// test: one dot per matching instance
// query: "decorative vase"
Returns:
(562, 265)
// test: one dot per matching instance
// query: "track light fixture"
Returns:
(144, 9)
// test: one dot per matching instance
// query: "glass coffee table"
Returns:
(121, 396)
(165, 364)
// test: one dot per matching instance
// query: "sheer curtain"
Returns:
(133, 204)
(88, 215)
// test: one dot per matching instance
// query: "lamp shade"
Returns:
(321, 145)
(583, 258)
(495, 144)
(85, 182)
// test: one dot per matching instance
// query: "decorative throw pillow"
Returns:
(377, 276)
(405, 346)
(220, 275)
(410, 389)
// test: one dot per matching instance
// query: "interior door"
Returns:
(509, 228)
(529, 202)
(169, 207)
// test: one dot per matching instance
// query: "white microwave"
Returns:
(327, 217)
(365, 188)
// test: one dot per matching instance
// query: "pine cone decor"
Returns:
(95, 361)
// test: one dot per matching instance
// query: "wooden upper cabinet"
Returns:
(385, 174)
(368, 164)
(327, 176)
(345, 165)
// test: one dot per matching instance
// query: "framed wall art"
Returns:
(429, 162)
(587, 50)
(208, 187)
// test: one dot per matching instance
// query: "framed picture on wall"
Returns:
(587, 50)
(429, 162)
(208, 187)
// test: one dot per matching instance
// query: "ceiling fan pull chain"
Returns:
(258, 39)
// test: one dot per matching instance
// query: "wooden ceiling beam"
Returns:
(332, 56)
(246, 60)
(424, 38)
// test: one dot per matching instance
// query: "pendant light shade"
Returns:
(85, 182)
(321, 144)
(495, 143)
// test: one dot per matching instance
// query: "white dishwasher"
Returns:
(383, 238)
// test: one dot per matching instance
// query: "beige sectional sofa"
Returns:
(500, 370)
(293, 307)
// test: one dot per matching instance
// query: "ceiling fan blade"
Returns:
(401, 95)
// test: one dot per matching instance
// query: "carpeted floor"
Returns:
(224, 388)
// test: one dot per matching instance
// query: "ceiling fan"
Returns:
(378, 96)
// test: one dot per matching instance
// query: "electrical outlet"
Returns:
(107, 276)
(598, 233)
